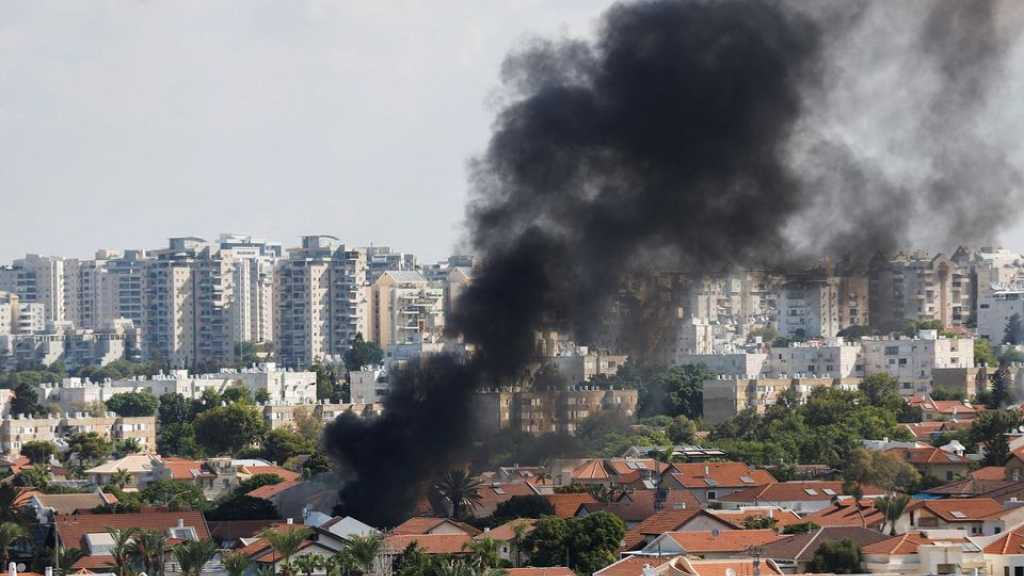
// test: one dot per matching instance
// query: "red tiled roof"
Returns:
(738, 517)
(961, 509)
(181, 468)
(430, 543)
(908, 543)
(92, 563)
(626, 466)
(425, 524)
(990, 473)
(638, 505)
(1009, 543)
(507, 531)
(846, 513)
(927, 455)
(590, 470)
(701, 542)
(284, 473)
(925, 430)
(727, 567)
(551, 571)
(271, 490)
(73, 528)
(664, 521)
(720, 474)
(566, 505)
(794, 491)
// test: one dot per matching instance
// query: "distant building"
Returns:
(368, 385)
(405, 308)
(37, 280)
(119, 340)
(915, 286)
(16, 430)
(539, 412)
(727, 396)
(911, 360)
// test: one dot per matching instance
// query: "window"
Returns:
(712, 495)
(949, 475)
(903, 361)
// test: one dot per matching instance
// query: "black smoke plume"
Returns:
(689, 135)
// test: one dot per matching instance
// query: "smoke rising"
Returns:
(698, 136)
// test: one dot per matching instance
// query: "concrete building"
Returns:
(252, 280)
(368, 385)
(809, 308)
(832, 358)
(120, 340)
(16, 430)
(17, 317)
(739, 364)
(911, 360)
(381, 259)
(405, 308)
(285, 415)
(37, 280)
(541, 412)
(727, 396)
(322, 301)
(914, 286)
(995, 308)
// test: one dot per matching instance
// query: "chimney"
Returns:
(290, 522)
(49, 571)
(181, 522)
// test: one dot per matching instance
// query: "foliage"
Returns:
(174, 409)
(459, 491)
(983, 355)
(989, 429)
(243, 507)
(881, 390)
(36, 476)
(10, 533)
(315, 465)
(89, 447)
(120, 552)
(238, 393)
(1014, 333)
(149, 547)
(228, 429)
(235, 563)
(192, 555)
(282, 444)
(938, 393)
(126, 446)
(531, 506)
(682, 430)
(11, 509)
(1002, 381)
(800, 528)
(307, 425)
(759, 523)
(363, 551)
(133, 404)
(363, 353)
(483, 554)
(38, 451)
(257, 480)
(589, 543)
(892, 507)
(838, 557)
(882, 469)
(26, 400)
(178, 440)
(285, 541)
(174, 495)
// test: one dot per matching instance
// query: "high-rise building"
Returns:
(321, 292)
(405, 309)
(37, 279)
(917, 286)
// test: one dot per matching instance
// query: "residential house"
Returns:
(944, 410)
(673, 520)
(711, 544)
(566, 504)
(90, 533)
(496, 492)
(848, 512)
(711, 481)
(507, 536)
(429, 525)
(264, 558)
(141, 469)
(793, 554)
(633, 507)
(293, 498)
(975, 516)
(925, 552)
(941, 463)
(47, 507)
(805, 497)
(780, 517)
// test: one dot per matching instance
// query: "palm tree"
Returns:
(120, 552)
(191, 556)
(483, 554)
(453, 568)
(518, 539)
(121, 478)
(10, 533)
(363, 551)
(892, 507)
(460, 490)
(11, 510)
(150, 546)
(235, 563)
(66, 558)
(286, 542)
(339, 564)
(308, 564)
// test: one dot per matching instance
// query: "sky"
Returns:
(124, 123)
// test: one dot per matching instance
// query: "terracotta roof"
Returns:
(638, 505)
(425, 524)
(284, 473)
(720, 475)
(801, 547)
(591, 470)
(927, 455)
(493, 494)
(271, 490)
(727, 567)
(847, 513)
(70, 503)
(700, 542)
(815, 490)
(626, 466)
(566, 505)
(507, 531)
(72, 528)
(664, 521)
(908, 543)
(182, 468)
(551, 571)
(430, 543)
(925, 430)
(631, 566)
(782, 516)
(229, 530)
(93, 563)
(990, 473)
(1008, 543)
(961, 509)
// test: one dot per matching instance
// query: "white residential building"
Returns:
(911, 360)
(739, 364)
(995, 309)
(832, 358)
(368, 385)
(37, 279)
(118, 340)
(405, 308)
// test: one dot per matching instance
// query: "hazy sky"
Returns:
(123, 123)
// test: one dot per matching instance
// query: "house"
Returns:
(1004, 553)
(673, 520)
(687, 567)
(805, 497)
(944, 464)
(741, 516)
(264, 559)
(141, 469)
(710, 481)
(639, 565)
(567, 503)
(633, 507)
(90, 533)
(48, 506)
(507, 536)
(429, 525)
(709, 544)
(929, 430)
(1014, 468)
(793, 554)
(975, 516)
(295, 498)
(591, 472)
(925, 552)
(943, 410)
(432, 544)
(495, 493)
(848, 512)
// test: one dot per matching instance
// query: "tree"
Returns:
(174, 409)
(235, 563)
(363, 550)
(881, 390)
(530, 506)
(26, 400)
(1001, 385)
(282, 444)
(133, 404)
(285, 542)
(546, 545)
(149, 547)
(683, 387)
(238, 393)
(307, 425)
(178, 439)
(682, 430)
(483, 553)
(1014, 333)
(38, 451)
(13, 508)
(36, 476)
(66, 559)
(838, 557)
(315, 465)
(192, 555)
(256, 481)
(990, 429)
(243, 507)
(229, 429)
(308, 564)
(892, 507)
(882, 469)
(983, 355)
(10, 533)
(174, 495)
(362, 353)
(120, 552)
(595, 541)
(89, 447)
(759, 523)
(460, 491)
(121, 478)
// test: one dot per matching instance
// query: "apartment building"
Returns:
(727, 396)
(17, 317)
(381, 259)
(252, 300)
(913, 286)
(996, 307)
(738, 364)
(911, 360)
(541, 412)
(405, 308)
(832, 358)
(171, 303)
(368, 385)
(16, 430)
(285, 415)
(119, 340)
(37, 280)
(322, 301)
(819, 304)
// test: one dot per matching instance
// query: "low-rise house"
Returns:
(688, 567)
(296, 498)
(430, 525)
(508, 537)
(943, 410)
(943, 463)
(805, 497)
(975, 516)
(711, 481)
(793, 554)
(681, 520)
(431, 544)
(778, 517)
(90, 533)
(1014, 468)
(925, 552)
(640, 565)
(495, 493)
(711, 544)
(848, 512)
(1004, 553)
(141, 469)
(633, 507)
(567, 504)
(265, 559)
(47, 507)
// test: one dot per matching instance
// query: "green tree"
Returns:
(1014, 333)
(89, 447)
(529, 506)
(174, 409)
(238, 393)
(683, 389)
(989, 429)
(460, 492)
(595, 541)
(36, 476)
(10, 534)
(285, 541)
(882, 469)
(484, 553)
(363, 550)
(121, 556)
(892, 507)
(548, 543)
(682, 430)
(983, 355)
(121, 478)
(192, 555)
(315, 465)
(26, 400)
(363, 353)
(12, 506)
(243, 507)
(759, 523)
(149, 547)
(174, 495)
(838, 557)
(178, 439)
(229, 429)
(308, 564)
(126, 446)
(882, 390)
(256, 481)
(38, 451)
(235, 563)
(282, 444)
(1002, 381)
(133, 404)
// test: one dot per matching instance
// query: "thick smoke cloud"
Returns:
(695, 136)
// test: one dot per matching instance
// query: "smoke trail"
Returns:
(697, 136)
